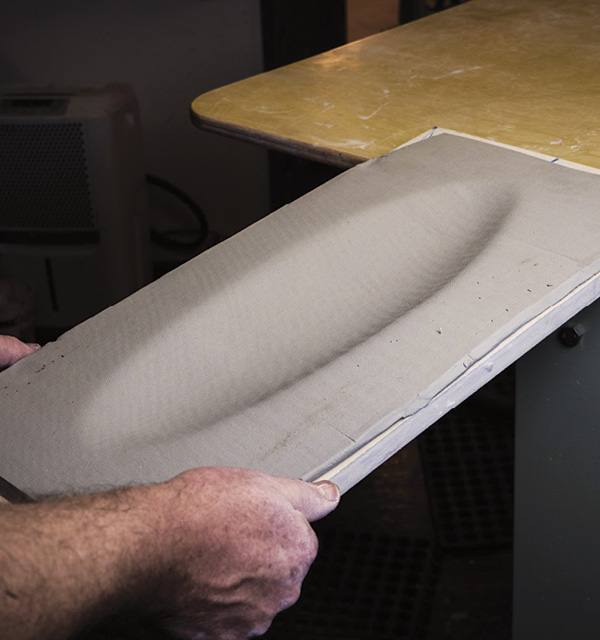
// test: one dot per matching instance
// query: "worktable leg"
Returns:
(557, 487)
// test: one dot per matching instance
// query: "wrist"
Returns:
(132, 560)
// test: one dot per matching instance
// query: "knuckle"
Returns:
(312, 544)
(260, 629)
(292, 597)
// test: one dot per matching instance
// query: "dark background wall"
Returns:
(170, 52)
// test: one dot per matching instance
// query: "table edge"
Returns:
(324, 155)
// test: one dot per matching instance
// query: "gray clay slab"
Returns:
(321, 339)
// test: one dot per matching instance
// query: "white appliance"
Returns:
(73, 210)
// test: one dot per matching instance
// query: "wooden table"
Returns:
(522, 72)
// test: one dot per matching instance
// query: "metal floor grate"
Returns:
(468, 461)
(363, 586)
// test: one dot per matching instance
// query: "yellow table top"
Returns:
(520, 72)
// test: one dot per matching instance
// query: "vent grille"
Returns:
(44, 180)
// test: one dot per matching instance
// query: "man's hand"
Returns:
(12, 349)
(241, 548)
(214, 553)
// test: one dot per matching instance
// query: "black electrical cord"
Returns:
(164, 238)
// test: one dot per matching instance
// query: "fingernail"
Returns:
(34, 345)
(329, 490)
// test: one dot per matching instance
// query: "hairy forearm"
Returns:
(214, 551)
(69, 562)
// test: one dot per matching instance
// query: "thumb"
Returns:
(314, 500)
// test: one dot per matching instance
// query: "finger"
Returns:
(313, 500)
(12, 349)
